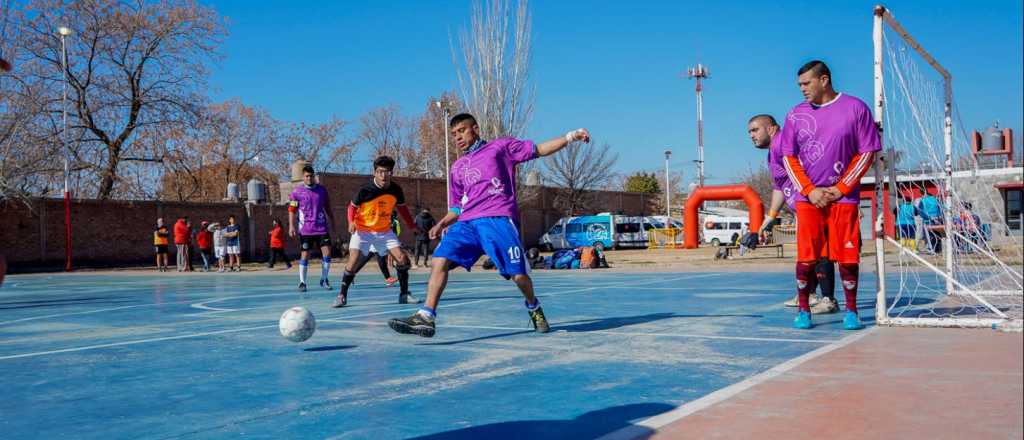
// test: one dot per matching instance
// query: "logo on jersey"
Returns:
(811, 151)
(496, 186)
(469, 175)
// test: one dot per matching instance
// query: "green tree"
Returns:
(642, 182)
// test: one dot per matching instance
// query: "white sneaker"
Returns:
(796, 301)
(825, 306)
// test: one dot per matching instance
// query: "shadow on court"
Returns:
(590, 325)
(331, 348)
(589, 425)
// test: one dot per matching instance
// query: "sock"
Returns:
(382, 263)
(346, 280)
(806, 282)
(303, 267)
(849, 274)
(427, 313)
(826, 274)
(531, 307)
(325, 267)
(403, 281)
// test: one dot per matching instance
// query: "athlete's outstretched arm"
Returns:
(551, 147)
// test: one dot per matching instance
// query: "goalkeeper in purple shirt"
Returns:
(483, 217)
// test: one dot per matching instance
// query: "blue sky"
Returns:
(612, 66)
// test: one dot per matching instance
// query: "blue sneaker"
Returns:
(851, 321)
(803, 320)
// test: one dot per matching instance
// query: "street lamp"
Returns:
(668, 190)
(65, 32)
(447, 169)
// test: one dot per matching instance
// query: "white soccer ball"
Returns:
(297, 324)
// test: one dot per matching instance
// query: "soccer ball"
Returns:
(297, 324)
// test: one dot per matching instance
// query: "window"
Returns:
(734, 225)
(627, 228)
(574, 228)
(648, 226)
(555, 230)
(1013, 209)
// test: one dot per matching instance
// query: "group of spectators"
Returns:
(965, 223)
(215, 243)
(220, 245)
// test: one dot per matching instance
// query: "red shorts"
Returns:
(832, 232)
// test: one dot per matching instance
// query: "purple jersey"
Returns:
(483, 182)
(826, 138)
(780, 180)
(312, 204)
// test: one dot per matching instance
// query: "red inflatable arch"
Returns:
(721, 192)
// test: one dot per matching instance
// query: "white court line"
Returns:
(195, 335)
(618, 333)
(643, 429)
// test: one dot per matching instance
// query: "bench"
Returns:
(778, 250)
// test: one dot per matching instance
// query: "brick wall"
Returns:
(115, 233)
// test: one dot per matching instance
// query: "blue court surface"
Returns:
(199, 356)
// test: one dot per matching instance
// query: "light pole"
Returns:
(447, 169)
(65, 32)
(668, 191)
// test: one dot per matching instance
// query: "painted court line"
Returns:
(643, 428)
(554, 326)
(196, 335)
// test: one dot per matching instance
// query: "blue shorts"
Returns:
(497, 237)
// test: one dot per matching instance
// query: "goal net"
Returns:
(945, 254)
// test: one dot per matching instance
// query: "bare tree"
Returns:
(386, 132)
(579, 170)
(132, 65)
(326, 145)
(431, 134)
(494, 76)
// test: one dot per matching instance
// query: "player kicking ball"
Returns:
(369, 222)
(482, 218)
(828, 143)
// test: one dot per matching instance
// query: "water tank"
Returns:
(233, 192)
(256, 191)
(297, 167)
(992, 138)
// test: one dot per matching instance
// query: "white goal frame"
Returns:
(882, 18)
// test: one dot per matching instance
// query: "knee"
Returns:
(522, 279)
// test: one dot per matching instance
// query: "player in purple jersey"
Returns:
(483, 217)
(828, 144)
(764, 133)
(311, 204)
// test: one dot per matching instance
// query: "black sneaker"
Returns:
(413, 325)
(540, 323)
(325, 283)
(302, 287)
(340, 301)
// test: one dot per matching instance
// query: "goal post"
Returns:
(932, 208)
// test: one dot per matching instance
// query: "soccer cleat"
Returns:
(825, 306)
(325, 283)
(812, 301)
(413, 325)
(340, 301)
(302, 287)
(390, 281)
(802, 320)
(851, 321)
(407, 298)
(540, 323)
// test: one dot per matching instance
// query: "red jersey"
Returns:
(204, 239)
(277, 238)
(181, 235)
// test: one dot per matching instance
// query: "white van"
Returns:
(602, 230)
(718, 230)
